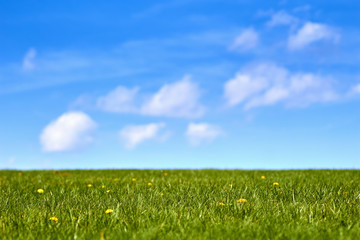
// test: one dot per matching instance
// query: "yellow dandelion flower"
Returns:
(108, 191)
(217, 223)
(41, 191)
(55, 219)
(109, 211)
(242, 200)
(75, 218)
(162, 194)
(103, 186)
(276, 184)
(133, 179)
(221, 204)
(89, 185)
(263, 177)
(20, 173)
(149, 184)
(165, 174)
(230, 185)
(115, 180)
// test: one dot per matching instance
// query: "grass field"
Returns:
(180, 204)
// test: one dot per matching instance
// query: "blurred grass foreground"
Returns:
(180, 204)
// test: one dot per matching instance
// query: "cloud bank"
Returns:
(268, 84)
(179, 99)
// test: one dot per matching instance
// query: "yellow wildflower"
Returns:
(275, 184)
(75, 218)
(41, 191)
(20, 173)
(115, 180)
(165, 174)
(109, 211)
(103, 186)
(89, 185)
(55, 219)
(162, 194)
(149, 184)
(133, 179)
(108, 191)
(221, 204)
(242, 200)
(230, 185)
(263, 177)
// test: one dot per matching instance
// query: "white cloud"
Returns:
(198, 133)
(71, 131)
(248, 39)
(268, 84)
(281, 18)
(355, 90)
(179, 99)
(28, 61)
(312, 32)
(119, 100)
(133, 135)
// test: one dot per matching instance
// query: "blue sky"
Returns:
(179, 84)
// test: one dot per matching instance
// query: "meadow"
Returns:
(180, 204)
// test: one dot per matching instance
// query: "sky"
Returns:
(179, 84)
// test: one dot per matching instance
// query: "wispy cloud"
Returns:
(355, 90)
(303, 8)
(71, 131)
(246, 40)
(133, 135)
(142, 57)
(268, 84)
(28, 61)
(312, 32)
(120, 100)
(281, 18)
(178, 99)
(198, 133)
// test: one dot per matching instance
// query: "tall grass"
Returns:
(180, 204)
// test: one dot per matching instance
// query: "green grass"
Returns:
(313, 204)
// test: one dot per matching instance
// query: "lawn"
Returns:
(180, 204)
